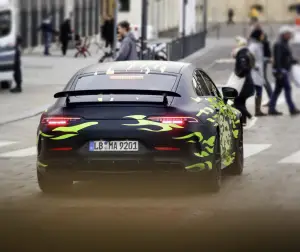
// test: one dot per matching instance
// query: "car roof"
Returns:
(136, 66)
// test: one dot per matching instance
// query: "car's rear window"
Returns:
(127, 81)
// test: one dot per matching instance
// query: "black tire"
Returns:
(5, 84)
(237, 167)
(214, 178)
(53, 184)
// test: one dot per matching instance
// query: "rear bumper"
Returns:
(120, 163)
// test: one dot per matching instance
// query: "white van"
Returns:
(8, 34)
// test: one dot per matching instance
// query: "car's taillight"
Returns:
(179, 120)
(58, 121)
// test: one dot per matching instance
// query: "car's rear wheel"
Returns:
(50, 183)
(214, 178)
(237, 167)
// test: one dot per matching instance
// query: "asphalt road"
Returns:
(261, 206)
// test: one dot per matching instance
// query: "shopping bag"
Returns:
(235, 82)
(257, 78)
(295, 75)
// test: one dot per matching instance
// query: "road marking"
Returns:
(5, 143)
(254, 149)
(31, 151)
(292, 159)
(226, 60)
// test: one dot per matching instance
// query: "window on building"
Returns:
(124, 5)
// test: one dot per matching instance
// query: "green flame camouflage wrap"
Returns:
(144, 122)
(229, 130)
(67, 132)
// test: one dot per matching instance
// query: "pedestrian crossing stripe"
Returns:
(26, 152)
(254, 149)
(249, 150)
(6, 143)
(294, 158)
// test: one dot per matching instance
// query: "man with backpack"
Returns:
(244, 63)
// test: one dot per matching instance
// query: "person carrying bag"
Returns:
(242, 80)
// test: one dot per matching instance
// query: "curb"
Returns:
(27, 115)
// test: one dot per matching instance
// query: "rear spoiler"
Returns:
(165, 94)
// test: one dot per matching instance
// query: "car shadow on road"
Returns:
(132, 187)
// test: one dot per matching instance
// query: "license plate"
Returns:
(114, 146)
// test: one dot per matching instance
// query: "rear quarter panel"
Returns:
(226, 122)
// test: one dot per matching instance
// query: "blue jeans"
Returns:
(47, 41)
(258, 91)
(282, 83)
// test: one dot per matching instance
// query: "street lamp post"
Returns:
(184, 17)
(205, 16)
(116, 8)
(144, 27)
(183, 26)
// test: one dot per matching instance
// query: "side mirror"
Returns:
(229, 93)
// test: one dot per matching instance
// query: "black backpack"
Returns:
(244, 62)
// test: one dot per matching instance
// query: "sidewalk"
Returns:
(38, 69)
(44, 76)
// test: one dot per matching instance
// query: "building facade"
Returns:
(273, 10)
(166, 15)
(84, 15)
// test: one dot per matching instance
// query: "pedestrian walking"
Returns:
(257, 50)
(230, 16)
(17, 67)
(128, 43)
(244, 63)
(267, 61)
(254, 14)
(282, 64)
(108, 31)
(47, 30)
(65, 35)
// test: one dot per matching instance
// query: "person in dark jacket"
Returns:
(108, 31)
(17, 67)
(282, 64)
(267, 61)
(65, 35)
(48, 31)
(230, 16)
(128, 44)
(244, 64)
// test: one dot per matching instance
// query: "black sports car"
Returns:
(139, 117)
